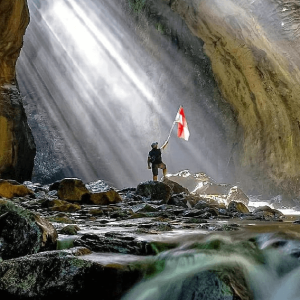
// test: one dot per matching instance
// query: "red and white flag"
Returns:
(182, 130)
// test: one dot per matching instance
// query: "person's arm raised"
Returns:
(164, 145)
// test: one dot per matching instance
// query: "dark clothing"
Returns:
(155, 156)
(155, 168)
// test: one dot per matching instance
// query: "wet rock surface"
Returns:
(63, 274)
(23, 232)
(124, 241)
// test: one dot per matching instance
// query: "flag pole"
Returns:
(170, 131)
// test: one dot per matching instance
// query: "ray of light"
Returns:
(101, 92)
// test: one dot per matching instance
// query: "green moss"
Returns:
(27, 283)
(137, 5)
(161, 28)
(9, 206)
(159, 247)
(80, 263)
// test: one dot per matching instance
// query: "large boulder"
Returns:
(154, 190)
(210, 188)
(267, 213)
(102, 194)
(11, 188)
(23, 232)
(176, 187)
(64, 275)
(17, 147)
(72, 189)
(237, 195)
(188, 180)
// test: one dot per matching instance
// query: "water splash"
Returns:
(269, 274)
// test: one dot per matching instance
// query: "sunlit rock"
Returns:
(188, 180)
(102, 194)
(105, 198)
(209, 188)
(17, 148)
(154, 190)
(239, 207)
(97, 186)
(11, 188)
(72, 189)
(237, 195)
(48, 233)
(176, 187)
(61, 205)
(23, 232)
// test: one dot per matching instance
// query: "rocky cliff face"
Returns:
(17, 148)
(253, 47)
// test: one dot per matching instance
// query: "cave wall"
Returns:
(17, 148)
(254, 51)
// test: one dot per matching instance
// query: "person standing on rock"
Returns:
(154, 158)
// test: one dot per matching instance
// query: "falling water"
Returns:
(101, 81)
(272, 273)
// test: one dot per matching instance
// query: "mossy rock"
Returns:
(63, 275)
(23, 232)
(70, 230)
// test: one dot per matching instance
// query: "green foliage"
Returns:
(137, 5)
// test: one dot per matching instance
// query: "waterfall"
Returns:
(102, 80)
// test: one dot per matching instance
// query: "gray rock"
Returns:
(64, 275)
(23, 232)
(154, 190)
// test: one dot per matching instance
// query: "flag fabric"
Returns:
(182, 129)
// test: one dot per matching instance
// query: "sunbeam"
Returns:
(104, 89)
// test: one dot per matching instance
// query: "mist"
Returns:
(101, 81)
